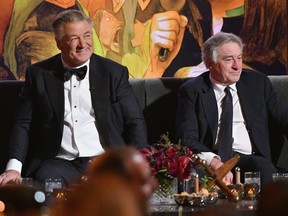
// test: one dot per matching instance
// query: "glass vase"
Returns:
(165, 192)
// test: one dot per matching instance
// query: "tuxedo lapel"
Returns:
(99, 81)
(54, 82)
(99, 88)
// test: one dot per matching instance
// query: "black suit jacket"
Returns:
(38, 127)
(197, 115)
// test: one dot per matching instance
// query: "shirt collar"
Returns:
(219, 86)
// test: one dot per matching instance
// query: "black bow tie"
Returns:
(80, 72)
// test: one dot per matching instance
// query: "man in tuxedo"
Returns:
(255, 108)
(75, 105)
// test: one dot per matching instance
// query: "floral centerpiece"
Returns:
(169, 162)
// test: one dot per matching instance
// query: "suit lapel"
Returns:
(247, 103)
(210, 105)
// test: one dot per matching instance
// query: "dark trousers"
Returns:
(69, 171)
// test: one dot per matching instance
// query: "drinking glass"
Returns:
(251, 185)
(52, 184)
(188, 185)
(280, 176)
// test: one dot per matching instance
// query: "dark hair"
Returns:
(68, 16)
(114, 160)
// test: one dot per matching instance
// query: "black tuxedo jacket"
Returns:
(38, 127)
(197, 115)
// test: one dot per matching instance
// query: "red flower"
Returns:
(169, 160)
(146, 152)
(184, 167)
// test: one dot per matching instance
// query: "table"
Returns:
(222, 207)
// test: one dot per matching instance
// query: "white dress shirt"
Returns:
(80, 135)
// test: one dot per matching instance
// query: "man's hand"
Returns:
(215, 164)
(167, 31)
(10, 176)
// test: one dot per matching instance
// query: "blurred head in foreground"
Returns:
(131, 166)
(274, 199)
(105, 195)
(118, 182)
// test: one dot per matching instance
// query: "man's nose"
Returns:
(237, 64)
(81, 42)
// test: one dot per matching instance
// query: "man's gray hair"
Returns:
(211, 45)
(68, 16)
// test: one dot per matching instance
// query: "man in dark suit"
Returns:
(255, 106)
(67, 117)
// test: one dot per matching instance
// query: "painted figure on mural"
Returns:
(139, 30)
(5, 15)
(142, 35)
(33, 39)
(264, 36)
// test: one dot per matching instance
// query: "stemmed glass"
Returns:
(188, 183)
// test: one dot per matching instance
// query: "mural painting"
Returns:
(153, 38)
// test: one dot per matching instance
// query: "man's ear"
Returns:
(58, 43)
(209, 64)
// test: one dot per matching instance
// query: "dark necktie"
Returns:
(225, 139)
(79, 72)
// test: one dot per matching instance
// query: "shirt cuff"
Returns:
(14, 164)
(208, 156)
